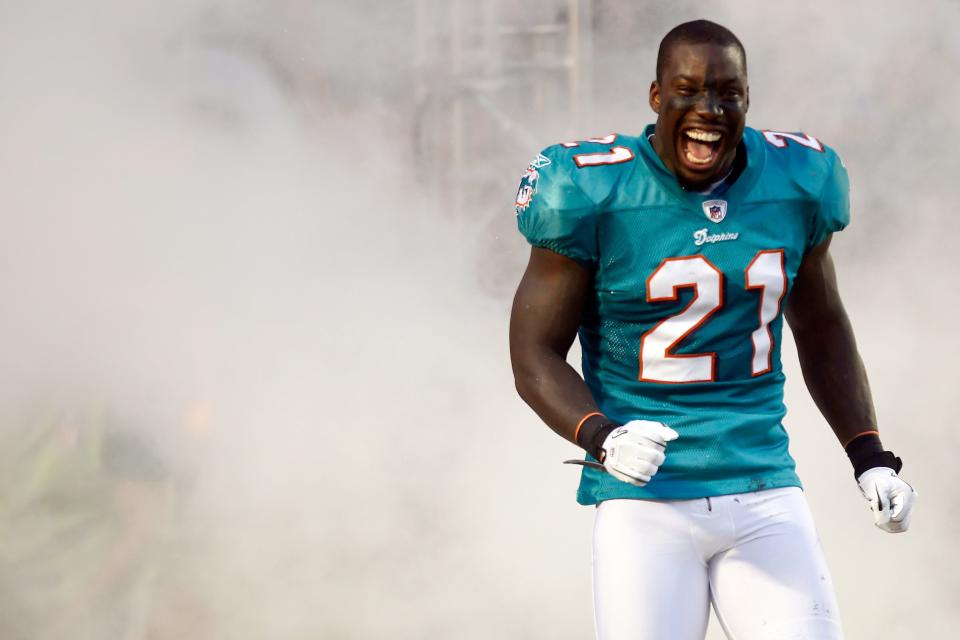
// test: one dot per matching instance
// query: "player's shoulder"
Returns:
(583, 153)
(796, 160)
(565, 190)
(795, 147)
(593, 166)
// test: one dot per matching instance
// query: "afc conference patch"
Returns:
(528, 182)
(716, 210)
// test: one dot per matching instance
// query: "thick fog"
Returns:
(256, 261)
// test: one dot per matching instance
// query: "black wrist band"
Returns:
(593, 431)
(866, 452)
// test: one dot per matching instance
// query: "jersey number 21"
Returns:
(765, 274)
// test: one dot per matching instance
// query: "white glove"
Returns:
(634, 452)
(891, 499)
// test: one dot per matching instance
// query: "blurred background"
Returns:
(256, 261)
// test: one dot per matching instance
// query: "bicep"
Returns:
(548, 304)
(815, 297)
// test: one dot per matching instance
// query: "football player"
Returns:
(676, 255)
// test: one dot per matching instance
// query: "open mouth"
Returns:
(700, 149)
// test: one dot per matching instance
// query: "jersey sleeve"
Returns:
(553, 212)
(833, 208)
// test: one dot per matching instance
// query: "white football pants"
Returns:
(657, 566)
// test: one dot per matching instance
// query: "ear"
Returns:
(654, 97)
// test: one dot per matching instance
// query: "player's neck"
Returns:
(736, 168)
(714, 185)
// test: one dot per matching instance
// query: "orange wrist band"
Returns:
(576, 433)
(863, 433)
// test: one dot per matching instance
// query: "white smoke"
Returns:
(214, 225)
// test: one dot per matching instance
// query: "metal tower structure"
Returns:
(490, 76)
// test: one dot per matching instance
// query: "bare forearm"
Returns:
(835, 376)
(543, 324)
(554, 390)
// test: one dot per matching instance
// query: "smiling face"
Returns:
(701, 102)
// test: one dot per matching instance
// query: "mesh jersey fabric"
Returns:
(629, 220)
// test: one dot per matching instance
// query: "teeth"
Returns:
(703, 136)
(693, 159)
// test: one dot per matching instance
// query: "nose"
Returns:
(708, 106)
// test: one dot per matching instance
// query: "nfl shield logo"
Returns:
(716, 210)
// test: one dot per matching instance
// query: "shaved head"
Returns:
(696, 32)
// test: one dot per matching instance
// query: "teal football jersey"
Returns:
(685, 319)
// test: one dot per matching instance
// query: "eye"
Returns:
(686, 90)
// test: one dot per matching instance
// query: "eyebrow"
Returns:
(718, 81)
